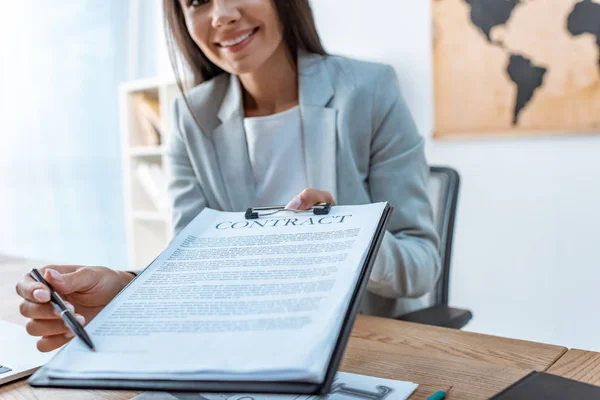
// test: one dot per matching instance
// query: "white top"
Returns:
(276, 150)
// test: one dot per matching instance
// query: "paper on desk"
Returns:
(345, 387)
(232, 299)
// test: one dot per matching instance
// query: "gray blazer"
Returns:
(361, 145)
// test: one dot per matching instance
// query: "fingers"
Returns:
(63, 269)
(310, 197)
(49, 343)
(50, 327)
(31, 290)
(79, 280)
(45, 321)
(33, 310)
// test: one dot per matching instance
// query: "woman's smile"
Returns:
(237, 42)
(240, 37)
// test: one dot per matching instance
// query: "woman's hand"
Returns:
(310, 197)
(86, 290)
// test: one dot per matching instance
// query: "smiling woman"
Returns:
(270, 118)
(191, 25)
(223, 47)
(213, 37)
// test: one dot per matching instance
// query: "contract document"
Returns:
(234, 299)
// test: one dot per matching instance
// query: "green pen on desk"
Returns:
(439, 395)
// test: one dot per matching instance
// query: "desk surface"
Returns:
(467, 365)
(580, 365)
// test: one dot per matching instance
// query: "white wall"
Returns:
(60, 183)
(525, 256)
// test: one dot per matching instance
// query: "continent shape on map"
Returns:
(487, 14)
(585, 18)
(531, 68)
(572, 62)
(527, 77)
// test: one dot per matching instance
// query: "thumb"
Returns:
(79, 281)
(295, 203)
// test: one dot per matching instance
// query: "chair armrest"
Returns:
(440, 315)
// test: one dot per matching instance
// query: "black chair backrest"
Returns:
(443, 188)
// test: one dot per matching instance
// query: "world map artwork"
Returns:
(512, 67)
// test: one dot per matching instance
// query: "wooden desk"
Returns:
(580, 365)
(467, 365)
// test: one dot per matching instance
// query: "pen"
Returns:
(64, 312)
(439, 395)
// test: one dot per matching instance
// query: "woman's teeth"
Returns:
(238, 40)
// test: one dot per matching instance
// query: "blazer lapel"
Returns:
(318, 123)
(232, 150)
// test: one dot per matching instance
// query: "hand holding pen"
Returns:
(61, 308)
(85, 291)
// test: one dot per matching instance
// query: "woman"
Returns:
(270, 115)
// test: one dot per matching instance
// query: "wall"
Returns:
(60, 183)
(526, 260)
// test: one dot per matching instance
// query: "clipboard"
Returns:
(256, 212)
(42, 379)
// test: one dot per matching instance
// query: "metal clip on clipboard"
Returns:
(256, 212)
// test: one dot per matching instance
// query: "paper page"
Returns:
(346, 386)
(234, 299)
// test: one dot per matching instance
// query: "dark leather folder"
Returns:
(42, 379)
(540, 385)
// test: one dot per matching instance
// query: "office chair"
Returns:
(443, 188)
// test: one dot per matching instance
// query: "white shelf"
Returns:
(149, 228)
(146, 84)
(152, 216)
(146, 151)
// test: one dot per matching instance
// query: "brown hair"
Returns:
(299, 32)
